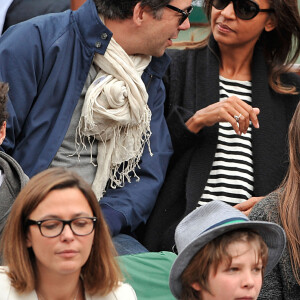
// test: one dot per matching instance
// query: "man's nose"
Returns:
(185, 25)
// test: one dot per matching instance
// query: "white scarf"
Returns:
(116, 114)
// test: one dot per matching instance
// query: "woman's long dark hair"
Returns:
(281, 45)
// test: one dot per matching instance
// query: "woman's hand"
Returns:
(225, 111)
(246, 206)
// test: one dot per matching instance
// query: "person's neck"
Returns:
(65, 287)
(124, 33)
(236, 63)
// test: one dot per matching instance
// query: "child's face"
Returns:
(242, 280)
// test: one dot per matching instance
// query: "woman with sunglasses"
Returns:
(56, 244)
(230, 99)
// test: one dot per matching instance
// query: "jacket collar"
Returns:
(90, 28)
(97, 36)
(159, 65)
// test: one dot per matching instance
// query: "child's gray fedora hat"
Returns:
(210, 221)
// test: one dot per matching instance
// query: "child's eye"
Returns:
(233, 269)
(257, 269)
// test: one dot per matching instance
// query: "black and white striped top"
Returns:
(231, 177)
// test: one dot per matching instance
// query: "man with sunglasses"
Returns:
(87, 93)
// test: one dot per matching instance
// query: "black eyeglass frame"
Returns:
(255, 13)
(64, 222)
(185, 14)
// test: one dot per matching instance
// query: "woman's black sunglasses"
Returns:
(244, 9)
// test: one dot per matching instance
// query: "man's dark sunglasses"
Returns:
(185, 14)
(244, 9)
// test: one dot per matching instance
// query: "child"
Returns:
(223, 255)
(12, 177)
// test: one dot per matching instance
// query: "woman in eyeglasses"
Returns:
(229, 103)
(56, 244)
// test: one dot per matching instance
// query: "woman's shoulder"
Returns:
(182, 55)
(266, 209)
(5, 285)
(3, 275)
(8, 292)
(123, 292)
(184, 65)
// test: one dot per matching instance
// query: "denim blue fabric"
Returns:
(126, 244)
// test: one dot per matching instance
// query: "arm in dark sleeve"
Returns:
(21, 67)
(182, 138)
(175, 111)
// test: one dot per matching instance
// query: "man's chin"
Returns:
(159, 55)
(161, 52)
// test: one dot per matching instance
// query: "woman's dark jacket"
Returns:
(192, 83)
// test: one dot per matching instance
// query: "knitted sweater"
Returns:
(280, 283)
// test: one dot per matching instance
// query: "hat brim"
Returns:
(272, 234)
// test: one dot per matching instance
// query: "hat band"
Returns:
(226, 222)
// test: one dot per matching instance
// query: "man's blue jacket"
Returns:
(46, 61)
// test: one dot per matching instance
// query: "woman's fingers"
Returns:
(244, 113)
(245, 116)
(233, 110)
(238, 114)
(254, 119)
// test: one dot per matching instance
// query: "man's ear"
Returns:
(196, 286)
(138, 14)
(271, 23)
(2, 132)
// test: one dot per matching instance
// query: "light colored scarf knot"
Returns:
(116, 114)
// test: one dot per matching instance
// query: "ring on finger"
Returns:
(237, 118)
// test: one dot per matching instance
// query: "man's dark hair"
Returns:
(123, 9)
(3, 100)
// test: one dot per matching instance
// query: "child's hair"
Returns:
(3, 100)
(214, 253)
